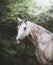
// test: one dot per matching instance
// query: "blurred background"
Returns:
(37, 11)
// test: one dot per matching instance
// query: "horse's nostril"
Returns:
(19, 39)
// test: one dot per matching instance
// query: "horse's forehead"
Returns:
(22, 25)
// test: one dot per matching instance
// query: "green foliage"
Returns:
(10, 10)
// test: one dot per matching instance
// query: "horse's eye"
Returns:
(25, 28)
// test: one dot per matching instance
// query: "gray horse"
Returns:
(40, 37)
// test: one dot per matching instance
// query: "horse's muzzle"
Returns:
(18, 41)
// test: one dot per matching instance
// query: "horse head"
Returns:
(23, 30)
(26, 29)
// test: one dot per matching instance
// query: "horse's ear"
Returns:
(25, 20)
(19, 21)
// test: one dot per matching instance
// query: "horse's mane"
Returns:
(40, 28)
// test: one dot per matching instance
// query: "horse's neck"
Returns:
(36, 32)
